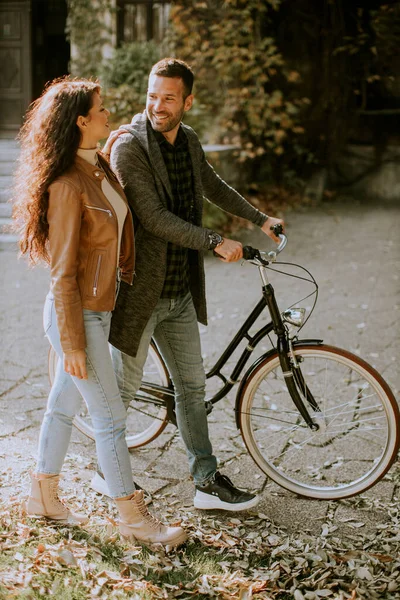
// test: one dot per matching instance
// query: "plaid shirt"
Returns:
(179, 167)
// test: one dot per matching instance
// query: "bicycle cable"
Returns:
(312, 280)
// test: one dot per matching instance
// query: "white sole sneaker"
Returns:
(208, 502)
(99, 485)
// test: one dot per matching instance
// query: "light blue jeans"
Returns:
(101, 394)
(173, 326)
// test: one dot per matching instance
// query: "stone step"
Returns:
(5, 210)
(6, 181)
(8, 241)
(4, 196)
(8, 143)
(9, 154)
(4, 224)
(7, 168)
(9, 151)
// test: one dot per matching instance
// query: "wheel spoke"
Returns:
(356, 439)
(147, 413)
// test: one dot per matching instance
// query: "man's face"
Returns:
(165, 104)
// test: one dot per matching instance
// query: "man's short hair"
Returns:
(174, 67)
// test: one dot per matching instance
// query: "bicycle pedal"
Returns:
(209, 406)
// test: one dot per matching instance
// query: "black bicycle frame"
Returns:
(242, 334)
(276, 324)
(165, 396)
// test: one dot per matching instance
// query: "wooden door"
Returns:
(15, 65)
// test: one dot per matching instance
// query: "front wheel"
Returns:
(358, 419)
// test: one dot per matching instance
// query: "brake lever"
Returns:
(260, 259)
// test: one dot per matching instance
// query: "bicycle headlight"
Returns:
(294, 316)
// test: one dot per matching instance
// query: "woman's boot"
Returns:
(138, 524)
(43, 501)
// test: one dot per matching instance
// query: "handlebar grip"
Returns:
(249, 253)
(277, 229)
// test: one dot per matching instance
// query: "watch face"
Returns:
(215, 239)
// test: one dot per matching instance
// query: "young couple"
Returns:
(76, 215)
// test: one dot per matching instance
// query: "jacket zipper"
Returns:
(101, 209)
(96, 277)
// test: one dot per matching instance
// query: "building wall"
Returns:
(15, 65)
(33, 50)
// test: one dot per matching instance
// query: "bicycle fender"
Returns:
(256, 363)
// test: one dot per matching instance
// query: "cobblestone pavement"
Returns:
(352, 249)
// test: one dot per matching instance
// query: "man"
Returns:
(165, 175)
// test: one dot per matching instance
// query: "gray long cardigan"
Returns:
(138, 163)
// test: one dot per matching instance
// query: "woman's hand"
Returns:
(110, 141)
(75, 363)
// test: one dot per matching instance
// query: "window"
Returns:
(141, 20)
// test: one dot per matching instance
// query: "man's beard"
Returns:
(167, 124)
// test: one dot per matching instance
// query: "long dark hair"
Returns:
(49, 141)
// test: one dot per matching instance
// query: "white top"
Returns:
(118, 204)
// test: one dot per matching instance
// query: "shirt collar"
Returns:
(181, 138)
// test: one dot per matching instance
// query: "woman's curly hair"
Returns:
(49, 140)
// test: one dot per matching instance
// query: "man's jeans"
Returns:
(101, 394)
(173, 326)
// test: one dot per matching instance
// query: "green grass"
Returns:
(66, 582)
(193, 561)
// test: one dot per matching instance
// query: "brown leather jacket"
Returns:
(83, 238)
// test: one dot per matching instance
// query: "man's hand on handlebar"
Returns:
(229, 250)
(269, 224)
(232, 251)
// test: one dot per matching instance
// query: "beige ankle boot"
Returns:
(138, 524)
(43, 501)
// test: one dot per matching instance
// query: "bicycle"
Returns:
(318, 420)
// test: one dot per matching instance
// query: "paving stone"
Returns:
(355, 267)
(356, 521)
(291, 512)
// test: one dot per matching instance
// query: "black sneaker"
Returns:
(220, 492)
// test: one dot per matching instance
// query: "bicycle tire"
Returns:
(358, 438)
(146, 420)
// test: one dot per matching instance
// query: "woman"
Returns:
(72, 213)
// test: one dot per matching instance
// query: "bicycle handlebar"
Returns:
(250, 253)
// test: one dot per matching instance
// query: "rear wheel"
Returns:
(147, 413)
(358, 435)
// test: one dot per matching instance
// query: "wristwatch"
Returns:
(214, 240)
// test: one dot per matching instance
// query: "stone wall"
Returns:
(363, 173)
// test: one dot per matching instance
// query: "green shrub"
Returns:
(130, 64)
(124, 77)
(244, 81)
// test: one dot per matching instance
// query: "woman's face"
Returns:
(94, 127)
